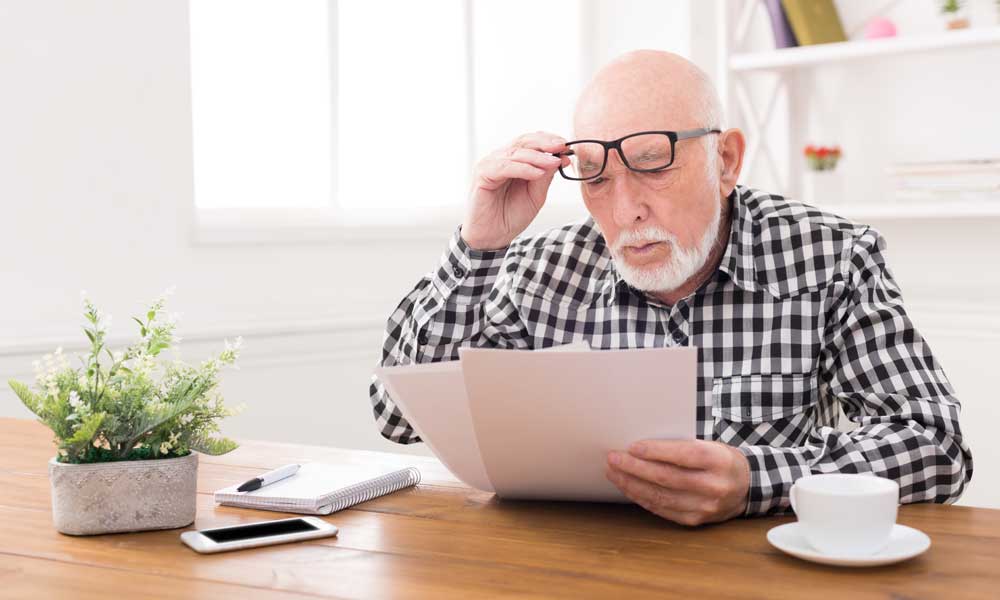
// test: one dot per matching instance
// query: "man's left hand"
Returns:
(690, 482)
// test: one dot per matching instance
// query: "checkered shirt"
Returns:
(802, 315)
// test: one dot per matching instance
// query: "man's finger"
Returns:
(664, 474)
(688, 519)
(692, 454)
(542, 160)
(641, 491)
(510, 169)
(540, 140)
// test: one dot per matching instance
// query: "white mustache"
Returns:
(642, 237)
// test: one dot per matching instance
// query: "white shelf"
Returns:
(898, 211)
(788, 58)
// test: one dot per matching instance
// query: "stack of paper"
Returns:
(946, 182)
(539, 425)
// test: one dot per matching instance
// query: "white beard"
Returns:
(672, 273)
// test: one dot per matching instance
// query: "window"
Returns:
(373, 125)
(261, 103)
(404, 133)
(528, 72)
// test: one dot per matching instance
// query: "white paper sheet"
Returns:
(432, 398)
(545, 422)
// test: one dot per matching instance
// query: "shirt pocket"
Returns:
(771, 409)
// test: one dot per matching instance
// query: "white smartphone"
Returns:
(251, 535)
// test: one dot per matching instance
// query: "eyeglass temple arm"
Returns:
(690, 133)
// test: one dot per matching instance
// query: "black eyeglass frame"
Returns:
(616, 145)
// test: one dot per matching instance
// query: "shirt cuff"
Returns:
(772, 473)
(466, 271)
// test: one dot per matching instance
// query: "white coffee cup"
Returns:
(845, 514)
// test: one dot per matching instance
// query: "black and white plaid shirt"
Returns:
(801, 315)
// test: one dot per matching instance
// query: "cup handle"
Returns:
(791, 498)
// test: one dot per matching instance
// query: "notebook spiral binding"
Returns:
(369, 490)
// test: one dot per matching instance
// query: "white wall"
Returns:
(96, 194)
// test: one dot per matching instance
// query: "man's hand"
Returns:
(509, 188)
(690, 482)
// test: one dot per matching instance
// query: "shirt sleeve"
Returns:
(465, 301)
(882, 372)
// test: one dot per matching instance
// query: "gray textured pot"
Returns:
(128, 495)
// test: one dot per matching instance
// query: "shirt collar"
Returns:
(737, 261)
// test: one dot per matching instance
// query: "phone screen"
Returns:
(257, 530)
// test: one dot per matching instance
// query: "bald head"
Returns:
(643, 90)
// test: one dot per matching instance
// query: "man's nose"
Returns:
(630, 208)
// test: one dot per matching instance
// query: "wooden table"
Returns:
(444, 540)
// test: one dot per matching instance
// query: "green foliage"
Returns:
(951, 6)
(127, 405)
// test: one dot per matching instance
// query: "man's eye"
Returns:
(595, 181)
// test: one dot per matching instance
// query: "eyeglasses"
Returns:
(645, 152)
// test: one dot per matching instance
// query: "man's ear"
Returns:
(731, 145)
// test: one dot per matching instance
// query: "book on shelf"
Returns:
(948, 167)
(784, 37)
(975, 180)
(814, 21)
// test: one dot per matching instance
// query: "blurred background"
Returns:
(293, 168)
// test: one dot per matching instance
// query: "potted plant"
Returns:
(127, 425)
(822, 185)
(953, 11)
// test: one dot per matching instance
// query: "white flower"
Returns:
(185, 419)
(74, 399)
(164, 447)
(117, 355)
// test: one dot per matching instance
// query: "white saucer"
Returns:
(904, 542)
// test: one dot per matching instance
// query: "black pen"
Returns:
(268, 478)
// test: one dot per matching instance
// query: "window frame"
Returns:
(328, 225)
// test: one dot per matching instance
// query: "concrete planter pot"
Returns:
(132, 495)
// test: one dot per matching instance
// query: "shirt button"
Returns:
(459, 272)
(422, 337)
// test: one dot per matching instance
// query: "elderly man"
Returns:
(793, 309)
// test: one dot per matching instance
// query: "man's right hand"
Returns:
(509, 188)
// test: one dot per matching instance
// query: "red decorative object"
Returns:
(822, 158)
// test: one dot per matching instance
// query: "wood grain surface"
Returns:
(442, 539)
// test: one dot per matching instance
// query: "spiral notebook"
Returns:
(320, 489)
